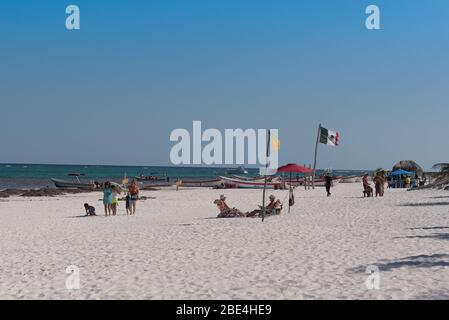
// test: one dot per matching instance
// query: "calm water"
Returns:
(38, 175)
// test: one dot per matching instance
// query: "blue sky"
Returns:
(112, 92)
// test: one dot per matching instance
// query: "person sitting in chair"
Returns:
(274, 206)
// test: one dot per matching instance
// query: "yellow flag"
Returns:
(275, 143)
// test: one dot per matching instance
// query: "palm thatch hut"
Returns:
(442, 167)
(409, 165)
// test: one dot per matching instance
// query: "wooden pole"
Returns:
(316, 154)
(290, 193)
(265, 179)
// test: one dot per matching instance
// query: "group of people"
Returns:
(273, 207)
(406, 181)
(379, 184)
(110, 199)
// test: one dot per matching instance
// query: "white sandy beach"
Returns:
(174, 249)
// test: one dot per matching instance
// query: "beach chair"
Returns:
(273, 212)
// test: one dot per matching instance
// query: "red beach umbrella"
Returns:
(293, 168)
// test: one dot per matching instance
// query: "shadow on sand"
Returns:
(439, 197)
(83, 216)
(421, 261)
(424, 204)
(435, 236)
(428, 228)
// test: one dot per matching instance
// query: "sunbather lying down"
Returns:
(274, 207)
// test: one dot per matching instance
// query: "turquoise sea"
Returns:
(38, 175)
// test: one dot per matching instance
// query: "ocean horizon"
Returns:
(28, 175)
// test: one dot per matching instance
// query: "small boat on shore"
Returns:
(152, 178)
(156, 184)
(65, 184)
(233, 183)
(208, 183)
(245, 178)
(351, 179)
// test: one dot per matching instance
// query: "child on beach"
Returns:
(90, 211)
(114, 203)
(128, 204)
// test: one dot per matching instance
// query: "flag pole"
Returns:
(316, 153)
(265, 178)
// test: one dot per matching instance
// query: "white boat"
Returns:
(156, 184)
(65, 184)
(257, 178)
(210, 183)
(351, 179)
(322, 182)
(237, 183)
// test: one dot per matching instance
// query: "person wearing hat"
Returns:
(226, 211)
(221, 205)
(274, 204)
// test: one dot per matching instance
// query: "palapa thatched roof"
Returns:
(442, 167)
(408, 165)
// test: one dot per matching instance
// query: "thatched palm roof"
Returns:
(408, 165)
(443, 167)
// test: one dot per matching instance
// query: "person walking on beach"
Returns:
(133, 190)
(328, 178)
(107, 198)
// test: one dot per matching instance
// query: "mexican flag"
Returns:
(329, 137)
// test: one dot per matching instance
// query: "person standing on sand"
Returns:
(128, 204)
(382, 183)
(408, 182)
(365, 181)
(379, 181)
(133, 190)
(114, 204)
(107, 198)
(328, 178)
